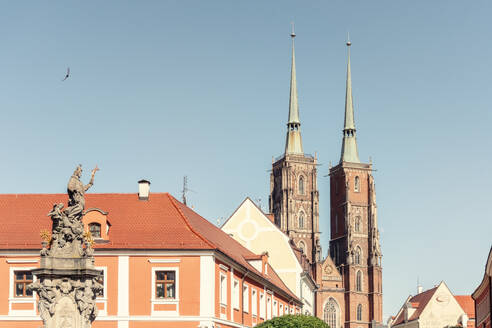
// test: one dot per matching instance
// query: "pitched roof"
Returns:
(420, 301)
(161, 222)
(136, 224)
(467, 304)
(229, 246)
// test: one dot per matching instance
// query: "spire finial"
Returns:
(293, 33)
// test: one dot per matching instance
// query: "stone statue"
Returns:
(67, 280)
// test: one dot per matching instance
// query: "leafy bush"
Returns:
(294, 321)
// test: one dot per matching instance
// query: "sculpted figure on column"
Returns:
(66, 279)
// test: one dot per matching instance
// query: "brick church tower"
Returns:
(354, 240)
(293, 184)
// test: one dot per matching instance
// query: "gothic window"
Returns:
(357, 184)
(301, 185)
(357, 224)
(359, 312)
(358, 281)
(331, 313)
(358, 252)
(302, 246)
(301, 220)
(95, 229)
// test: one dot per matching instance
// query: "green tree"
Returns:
(294, 321)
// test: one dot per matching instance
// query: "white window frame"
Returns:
(174, 300)
(223, 289)
(275, 308)
(245, 298)
(269, 307)
(17, 300)
(262, 305)
(254, 302)
(235, 294)
(104, 298)
(281, 309)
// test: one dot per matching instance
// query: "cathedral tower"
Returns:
(354, 240)
(293, 183)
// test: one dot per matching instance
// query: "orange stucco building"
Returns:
(164, 265)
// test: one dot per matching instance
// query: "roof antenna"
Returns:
(185, 189)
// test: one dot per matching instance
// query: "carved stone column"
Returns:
(67, 282)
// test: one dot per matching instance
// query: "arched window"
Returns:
(358, 281)
(331, 313)
(95, 229)
(356, 184)
(358, 252)
(357, 224)
(301, 185)
(359, 312)
(301, 220)
(302, 246)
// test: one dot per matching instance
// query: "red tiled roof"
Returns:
(229, 246)
(467, 304)
(161, 222)
(420, 300)
(155, 223)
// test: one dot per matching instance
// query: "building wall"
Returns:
(129, 295)
(249, 226)
(442, 310)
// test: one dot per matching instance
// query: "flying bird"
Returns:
(67, 75)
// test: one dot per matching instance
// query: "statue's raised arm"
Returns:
(93, 173)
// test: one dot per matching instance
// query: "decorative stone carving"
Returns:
(67, 280)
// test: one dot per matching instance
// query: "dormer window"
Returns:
(96, 222)
(95, 229)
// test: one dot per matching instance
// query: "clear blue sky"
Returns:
(163, 89)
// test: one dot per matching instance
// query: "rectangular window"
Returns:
(245, 298)
(223, 289)
(269, 308)
(21, 280)
(275, 308)
(165, 284)
(100, 280)
(262, 305)
(281, 311)
(235, 294)
(254, 302)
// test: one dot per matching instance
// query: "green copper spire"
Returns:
(293, 143)
(349, 145)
